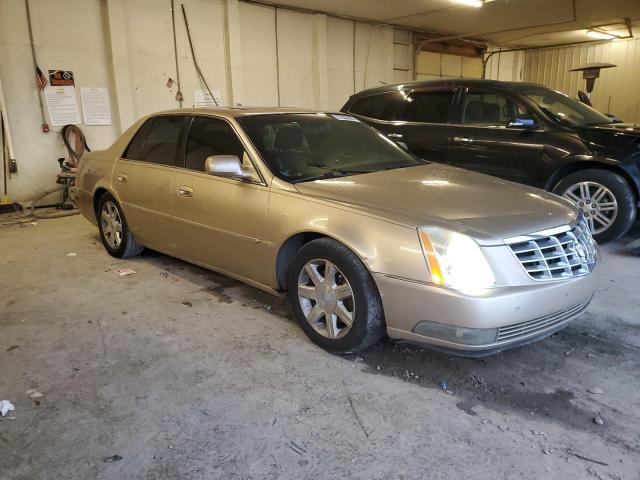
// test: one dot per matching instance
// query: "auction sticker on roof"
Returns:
(347, 118)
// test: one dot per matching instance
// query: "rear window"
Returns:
(157, 140)
(134, 150)
(161, 144)
(381, 106)
(428, 107)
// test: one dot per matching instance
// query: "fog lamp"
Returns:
(452, 333)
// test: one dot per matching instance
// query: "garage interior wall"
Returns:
(436, 65)
(505, 66)
(253, 54)
(616, 91)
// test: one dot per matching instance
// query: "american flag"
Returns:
(41, 80)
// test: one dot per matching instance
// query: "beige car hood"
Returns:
(484, 207)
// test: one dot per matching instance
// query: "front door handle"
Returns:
(185, 191)
(462, 139)
(122, 178)
(394, 135)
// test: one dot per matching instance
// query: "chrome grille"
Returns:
(512, 332)
(556, 254)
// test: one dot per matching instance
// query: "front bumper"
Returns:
(518, 315)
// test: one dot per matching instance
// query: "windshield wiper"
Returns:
(331, 174)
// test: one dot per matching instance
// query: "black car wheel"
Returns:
(114, 231)
(605, 198)
(335, 298)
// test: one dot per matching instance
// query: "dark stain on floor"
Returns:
(218, 292)
(533, 381)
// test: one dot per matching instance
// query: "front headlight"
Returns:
(455, 260)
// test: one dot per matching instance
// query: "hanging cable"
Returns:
(175, 54)
(193, 55)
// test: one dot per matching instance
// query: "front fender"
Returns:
(570, 164)
(384, 247)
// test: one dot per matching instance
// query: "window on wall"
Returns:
(489, 109)
(158, 142)
(428, 107)
(210, 136)
(381, 106)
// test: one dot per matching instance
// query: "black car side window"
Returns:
(210, 136)
(380, 106)
(161, 138)
(428, 107)
(488, 109)
(134, 149)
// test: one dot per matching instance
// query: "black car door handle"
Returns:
(394, 135)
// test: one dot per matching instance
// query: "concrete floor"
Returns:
(185, 374)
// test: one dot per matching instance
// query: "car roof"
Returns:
(448, 82)
(234, 112)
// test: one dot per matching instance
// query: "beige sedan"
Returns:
(366, 239)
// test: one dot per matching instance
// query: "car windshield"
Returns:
(308, 146)
(565, 109)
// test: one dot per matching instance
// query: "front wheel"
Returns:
(334, 297)
(605, 199)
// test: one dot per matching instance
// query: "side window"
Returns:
(428, 107)
(161, 142)
(134, 150)
(380, 106)
(488, 109)
(210, 136)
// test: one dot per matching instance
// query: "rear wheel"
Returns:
(335, 298)
(605, 199)
(114, 231)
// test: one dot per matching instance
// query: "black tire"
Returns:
(621, 190)
(368, 325)
(128, 247)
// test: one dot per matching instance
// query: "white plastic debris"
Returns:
(5, 407)
(123, 272)
(33, 393)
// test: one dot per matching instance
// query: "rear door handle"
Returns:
(122, 178)
(185, 191)
(394, 135)
(462, 140)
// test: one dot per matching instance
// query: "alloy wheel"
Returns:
(326, 298)
(111, 223)
(596, 202)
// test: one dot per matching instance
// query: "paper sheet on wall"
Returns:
(96, 108)
(62, 105)
(202, 98)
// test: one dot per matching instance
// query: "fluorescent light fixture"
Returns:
(597, 34)
(469, 3)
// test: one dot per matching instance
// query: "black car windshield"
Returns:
(300, 147)
(565, 109)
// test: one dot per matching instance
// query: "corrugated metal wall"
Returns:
(617, 91)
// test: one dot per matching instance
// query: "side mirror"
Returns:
(229, 166)
(523, 121)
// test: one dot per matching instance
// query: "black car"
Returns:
(522, 132)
